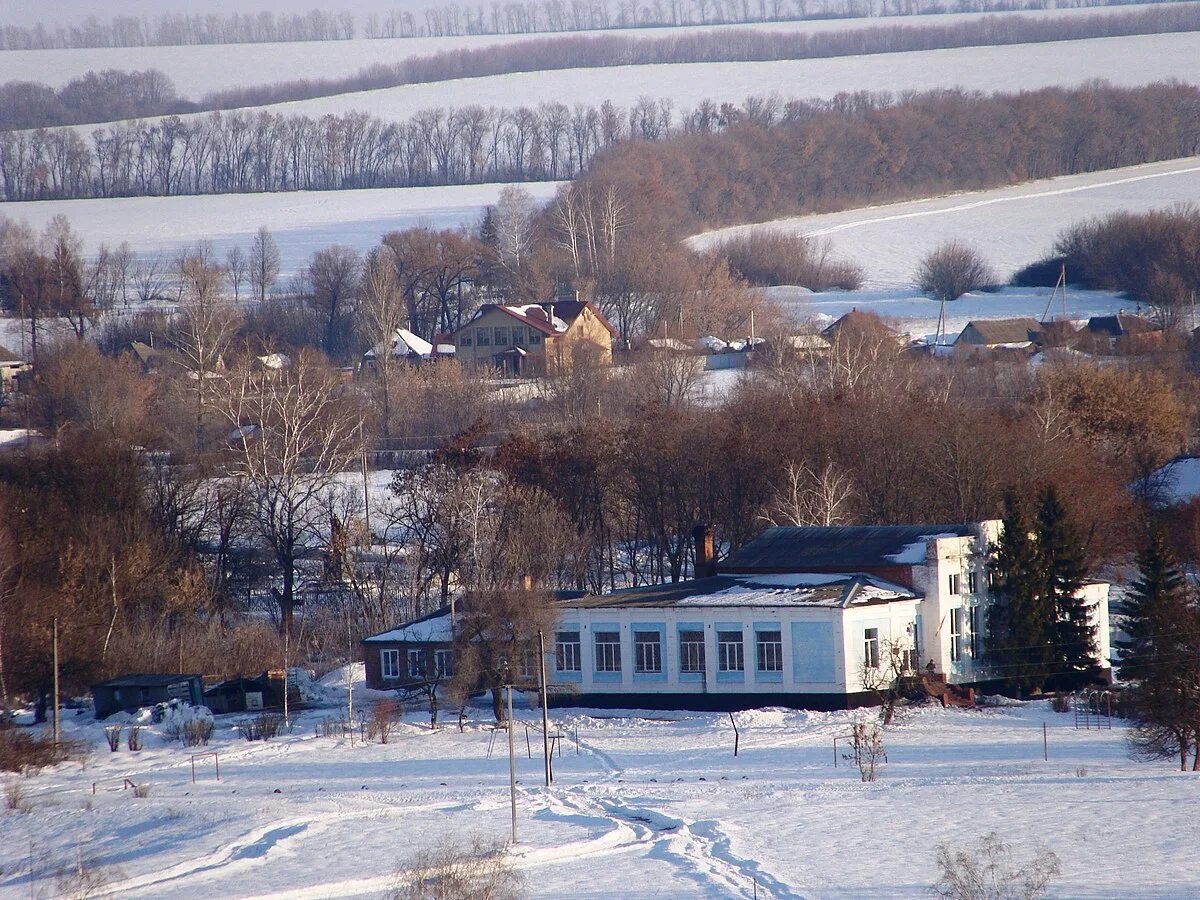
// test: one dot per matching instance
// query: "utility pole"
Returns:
(545, 710)
(57, 725)
(349, 680)
(287, 634)
(512, 765)
(366, 499)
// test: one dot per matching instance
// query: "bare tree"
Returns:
(295, 429)
(236, 268)
(333, 276)
(808, 497)
(381, 313)
(264, 263)
(949, 271)
(206, 328)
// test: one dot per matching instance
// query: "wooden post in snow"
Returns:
(545, 710)
(57, 725)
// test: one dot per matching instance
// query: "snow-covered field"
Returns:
(195, 70)
(651, 805)
(1126, 61)
(1010, 226)
(301, 222)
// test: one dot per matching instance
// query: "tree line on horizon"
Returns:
(451, 19)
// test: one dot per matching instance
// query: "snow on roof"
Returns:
(711, 344)
(914, 553)
(433, 628)
(838, 548)
(275, 361)
(831, 590)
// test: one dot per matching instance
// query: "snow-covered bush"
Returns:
(478, 868)
(989, 872)
(180, 721)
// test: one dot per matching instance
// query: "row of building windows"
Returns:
(516, 335)
(972, 583)
(417, 663)
(648, 651)
(966, 632)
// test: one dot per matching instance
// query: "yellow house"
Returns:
(535, 339)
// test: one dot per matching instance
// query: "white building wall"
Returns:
(837, 656)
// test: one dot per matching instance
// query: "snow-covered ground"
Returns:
(912, 312)
(197, 69)
(651, 805)
(1126, 61)
(301, 221)
(1011, 226)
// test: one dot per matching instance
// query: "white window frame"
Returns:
(956, 634)
(975, 631)
(608, 651)
(389, 664)
(871, 648)
(418, 657)
(972, 582)
(955, 584)
(647, 654)
(567, 653)
(768, 653)
(910, 659)
(443, 663)
(731, 655)
(691, 652)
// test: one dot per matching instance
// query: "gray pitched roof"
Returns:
(1121, 323)
(837, 590)
(850, 547)
(1000, 331)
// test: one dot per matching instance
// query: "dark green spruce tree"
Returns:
(1020, 623)
(1150, 607)
(1061, 575)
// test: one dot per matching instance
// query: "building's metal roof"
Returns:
(832, 590)
(145, 680)
(850, 547)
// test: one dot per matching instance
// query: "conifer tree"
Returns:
(1020, 625)
(1060, 574)
(1154, 597)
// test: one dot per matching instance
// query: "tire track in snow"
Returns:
(700, 849)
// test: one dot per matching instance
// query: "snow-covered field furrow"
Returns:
(666, 810)
(1125, 61)
(198, 69)
(1010, 226)
(301, 221)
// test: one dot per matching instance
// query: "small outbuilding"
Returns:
(243, 695)
(129, 693)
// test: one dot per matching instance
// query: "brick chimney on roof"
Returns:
(706, 550)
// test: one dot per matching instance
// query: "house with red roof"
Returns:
(535, 338)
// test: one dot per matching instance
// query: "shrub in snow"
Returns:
(112, 734)
(989, 872)
(477, 868)
(262, 727)
(385, 714)
(177, 718)
(134, 738)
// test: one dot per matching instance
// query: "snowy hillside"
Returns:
(301, 221)
(198, 69)
(1011, 226)
(656, 801)
(1125, 61)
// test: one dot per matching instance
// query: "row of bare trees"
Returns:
(262, 151)
(452, 19)
(851, 149)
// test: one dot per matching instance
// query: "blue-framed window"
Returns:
(691, 650)
(608, 650)
(731, 652)
(768, 650)
(647, 651)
